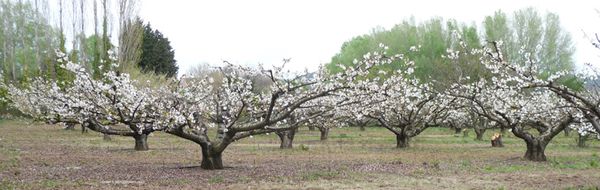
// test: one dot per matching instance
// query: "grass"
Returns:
(35, 156)
(316, 175)
(6, 184)
(583, 188)
(216, 179)
(9, 158)
(575, 162)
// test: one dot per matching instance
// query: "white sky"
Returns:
(312, 31)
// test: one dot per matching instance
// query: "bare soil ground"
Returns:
(37, 156)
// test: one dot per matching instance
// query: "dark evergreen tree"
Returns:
(157, 54)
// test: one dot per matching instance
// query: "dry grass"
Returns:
(47, 157)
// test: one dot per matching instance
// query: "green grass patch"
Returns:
(465, 163)
(316, 175)
(583, 188)
(505, 168)
(5, 184)
(49, 184)
(216, 179)
(9, 157)
(575, 162)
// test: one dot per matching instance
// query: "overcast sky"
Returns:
(310, 32)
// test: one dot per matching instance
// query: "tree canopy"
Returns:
(525, 30)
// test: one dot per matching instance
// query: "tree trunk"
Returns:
(287, 138)
(402, 141)
(567, 131)
(211, 160)
(535, 150)
(324, 133)
(70, 126)
(141, 142)
(83, 129)
(479, 134)
(581, 141)
(456, 131)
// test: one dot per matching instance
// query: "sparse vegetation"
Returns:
(438, 159)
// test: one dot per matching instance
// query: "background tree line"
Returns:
(32, 31)
(524, 30)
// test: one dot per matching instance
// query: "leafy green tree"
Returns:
(157, 54)
(425, 43)
(497, 28)
(527, 35)
(540, 38)
(459, 39)
(432, 39)
(95, 62)
(27, 41)
(350, 50)
(524, 31)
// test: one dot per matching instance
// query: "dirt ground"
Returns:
(36, 156)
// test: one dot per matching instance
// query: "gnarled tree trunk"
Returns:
(211, 160)
(287, 138)
(535, 150)
(402, 141)
(141, 142)
(536, 146)
(324, 133)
